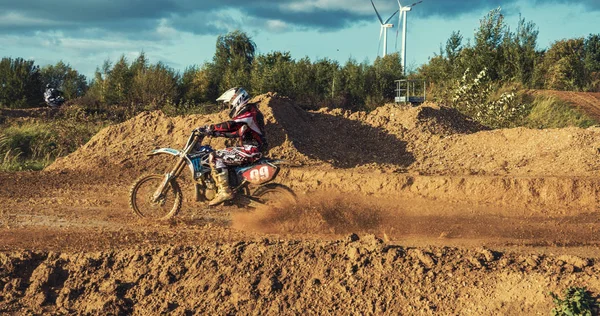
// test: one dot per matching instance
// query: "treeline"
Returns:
(512, 56)
(139, 83)
(480, 78)
(486, 78)
(323, 82)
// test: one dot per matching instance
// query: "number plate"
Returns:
(260, 174)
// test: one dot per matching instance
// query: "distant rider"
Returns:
(52, 96)
(247, 124)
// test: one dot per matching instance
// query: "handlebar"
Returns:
(200, 131)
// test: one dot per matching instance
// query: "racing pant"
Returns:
(234, 156)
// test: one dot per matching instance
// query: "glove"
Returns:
(210, 130)
(205, 130)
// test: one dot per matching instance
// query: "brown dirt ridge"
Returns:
(348, 276)
(425, 139)
(402, 210)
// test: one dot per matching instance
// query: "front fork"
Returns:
(162, 189)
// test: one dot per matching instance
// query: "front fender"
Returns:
(176, 153)
(169, 151)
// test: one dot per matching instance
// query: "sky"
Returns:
(182, 33)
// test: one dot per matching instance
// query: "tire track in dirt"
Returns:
(588, 102)
(471, 222)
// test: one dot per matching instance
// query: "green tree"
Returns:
(271, 72)
(352, 85)
(120, 79)
(155, 86)
(190, 92)
(64, 78)
(592, 61)
(206, 83)
(488, 49)
(591, 47)
(140, 64)
(20, 83)
(99, 86)
(303, 80)
(326, 72)
(563, 66)
(233, 60)
(520, 53)
(453, 47)
(382, 78)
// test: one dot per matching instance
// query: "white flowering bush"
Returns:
(473, 96)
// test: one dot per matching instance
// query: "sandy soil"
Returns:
(401, 211)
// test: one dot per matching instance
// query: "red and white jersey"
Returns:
(248, 127)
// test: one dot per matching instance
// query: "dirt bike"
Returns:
(53, 99)
(55, 102)
(158, 196)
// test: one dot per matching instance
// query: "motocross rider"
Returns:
(247, 124)
(50, 95)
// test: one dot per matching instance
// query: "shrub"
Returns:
(474, 96)
(577, 302)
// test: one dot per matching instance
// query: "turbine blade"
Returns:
(399, 4)
(378, 16)
(398, 30)
(414, 4)
(391, 17)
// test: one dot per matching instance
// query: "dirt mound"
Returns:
(419, 121)
(517, 151)
(307, 137)
(426, 139)
(348, 276)
(125, 145)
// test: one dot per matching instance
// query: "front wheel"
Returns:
(141, 198)
(272, 193)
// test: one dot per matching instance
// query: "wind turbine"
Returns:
(384, 25)
(403, 10)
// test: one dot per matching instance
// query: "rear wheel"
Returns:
(142, 203)
(272, 193)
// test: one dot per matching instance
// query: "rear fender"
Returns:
(277, 162)
(259, 173)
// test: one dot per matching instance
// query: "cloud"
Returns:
(158, 19)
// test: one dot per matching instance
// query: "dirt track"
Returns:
(490, 231)
(588, 102)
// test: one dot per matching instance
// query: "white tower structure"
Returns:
(403, 10)
(383, 29)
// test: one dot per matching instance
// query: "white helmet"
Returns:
(236, 99)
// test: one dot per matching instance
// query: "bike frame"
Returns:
(184, 159)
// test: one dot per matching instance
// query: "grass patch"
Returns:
(33, 139)
(34, 144)
(551, 112)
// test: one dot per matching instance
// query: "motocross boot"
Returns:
(223, 190)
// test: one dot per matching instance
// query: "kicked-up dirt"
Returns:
(400, 211)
